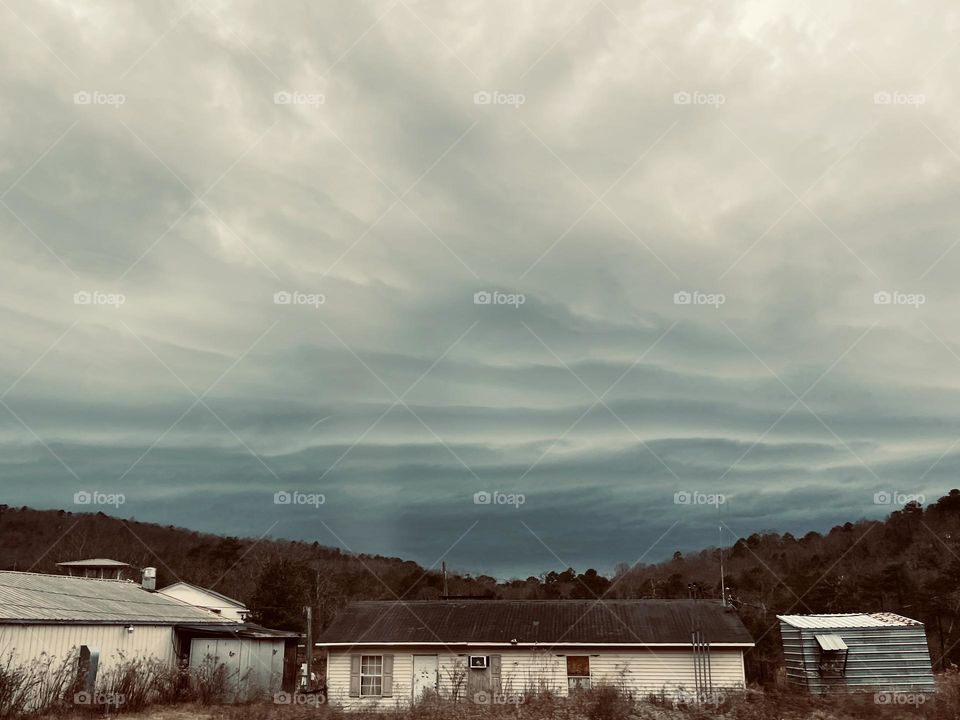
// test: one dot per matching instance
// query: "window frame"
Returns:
(578, 682)
(377, 677)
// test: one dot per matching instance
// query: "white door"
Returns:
(425, 674)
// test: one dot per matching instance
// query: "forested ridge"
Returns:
(907, 563)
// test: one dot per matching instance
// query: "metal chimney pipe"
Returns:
(150, 579)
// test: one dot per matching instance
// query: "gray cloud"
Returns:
(813, 167)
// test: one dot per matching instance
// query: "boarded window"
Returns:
(371, 675)
(578, 672)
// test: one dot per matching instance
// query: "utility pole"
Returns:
(309, 648)
(443, 566)
(723, 588)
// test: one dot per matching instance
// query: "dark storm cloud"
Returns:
(795, 161)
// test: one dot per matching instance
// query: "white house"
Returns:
(225, 607)
(380, 654)
(55, 626)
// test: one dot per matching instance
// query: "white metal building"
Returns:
(226, 607)
(380, 654)
(49, 620)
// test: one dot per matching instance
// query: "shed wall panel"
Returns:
(886, 658)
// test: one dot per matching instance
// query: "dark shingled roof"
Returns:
(535, 621)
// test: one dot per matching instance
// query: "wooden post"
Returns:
(309, 648)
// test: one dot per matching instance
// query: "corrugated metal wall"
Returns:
(254, 666)
(37, 646)
(640, 672)
(31, 641)
(890, 659)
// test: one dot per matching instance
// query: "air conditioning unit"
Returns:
(479, 662)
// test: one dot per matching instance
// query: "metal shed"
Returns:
(856, 652)
(257, 662)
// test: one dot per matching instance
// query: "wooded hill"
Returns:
(908, 563)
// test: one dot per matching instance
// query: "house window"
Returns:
(578, 672)
(371, 675)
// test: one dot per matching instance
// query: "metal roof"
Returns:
(240, 630)
(830, 642)
(94, 562)
(32, 598)
(584, 622)
(847, 620)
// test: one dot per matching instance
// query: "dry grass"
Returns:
(598, 704)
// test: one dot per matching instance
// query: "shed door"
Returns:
(425, 675)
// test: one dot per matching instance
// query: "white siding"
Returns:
(639, 672)
(28, 642)
(199, 598)
(51, 645)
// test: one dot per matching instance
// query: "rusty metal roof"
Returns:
(33, 598)
(836, 621)
(551, 622)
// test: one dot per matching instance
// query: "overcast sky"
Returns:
(169, 168)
